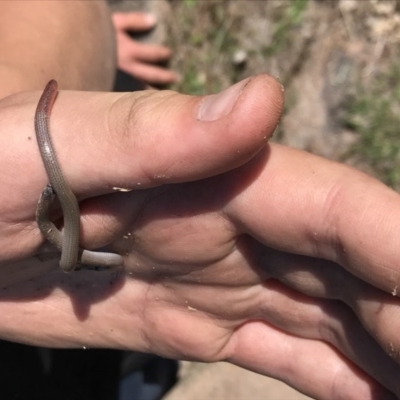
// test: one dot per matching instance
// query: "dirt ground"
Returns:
(223, 381)
(336, 59)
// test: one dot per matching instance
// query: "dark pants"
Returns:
(35, 373)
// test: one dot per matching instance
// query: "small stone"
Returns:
(239, 58)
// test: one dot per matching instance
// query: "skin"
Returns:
(270, 258)
(51, 50)
(211, 271)
(140, 59)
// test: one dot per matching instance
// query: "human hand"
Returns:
(266, 267)
(139, 59)
(199, 257)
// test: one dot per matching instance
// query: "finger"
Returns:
(310, 366)
(149, 73)
(151, 53)
(133, 21)
(331, 322)
(111, 141)
(130, 50)
(322, 209)
(378, 311)
(155, 137)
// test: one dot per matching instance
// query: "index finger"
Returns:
(304, 204)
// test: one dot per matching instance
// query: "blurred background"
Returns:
(339, 63)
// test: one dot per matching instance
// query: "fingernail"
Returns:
(219, 105)
(151, 19)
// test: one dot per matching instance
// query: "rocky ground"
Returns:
(338, 61)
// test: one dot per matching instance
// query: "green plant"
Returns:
(291, 17)
(189, 3)
(374, 115)
(192, 82)
(206, 53)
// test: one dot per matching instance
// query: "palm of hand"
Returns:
(205, 291)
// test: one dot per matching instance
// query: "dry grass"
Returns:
(275, 37)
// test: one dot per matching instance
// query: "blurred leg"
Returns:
(70, 41)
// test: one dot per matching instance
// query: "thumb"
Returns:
(134, 140)
(137, 140)
(145, 139)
